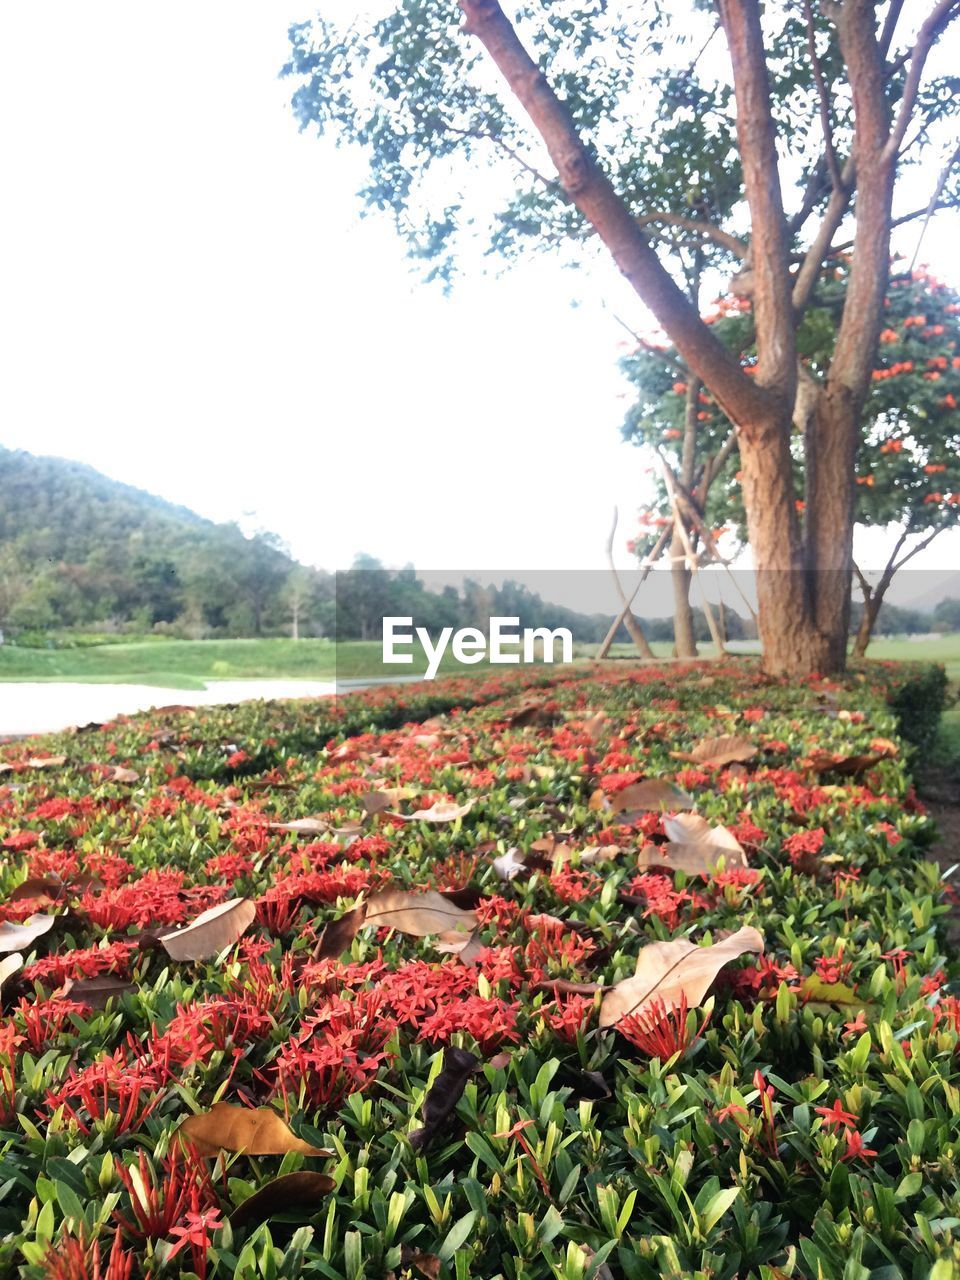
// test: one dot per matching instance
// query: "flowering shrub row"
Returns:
(485, 1112)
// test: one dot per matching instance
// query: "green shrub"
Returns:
(801, 1119)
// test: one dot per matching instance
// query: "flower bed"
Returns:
(495, 945)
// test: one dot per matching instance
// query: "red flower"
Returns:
(835, 1116)
(662, 1032)
(854, 1148)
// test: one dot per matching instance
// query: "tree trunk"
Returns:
(792, 643)
(871, 608)
(684, 633)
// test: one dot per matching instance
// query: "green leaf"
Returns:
(457, 1236)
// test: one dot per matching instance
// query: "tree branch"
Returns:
(921, 545)
(666, 355)
(809, 272)
(865, 586)
(756, 135)
(552, 184)
(715, 465)
(706, 230)
(833, 164)
(889, 26)
(900, 221)
(594, 195)
(812, 192)
(934, 203)
(937, 20)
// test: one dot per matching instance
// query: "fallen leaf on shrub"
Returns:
(509, 864)
(442, 811)
(46, 762)
(566, 987)
(726, 749)
(117, 773)
(48, 887)
(668, 971)
(96, 991)
(289, 1192)
(384, 799)
(650, 795)
(529, 712)
(693, 846)
(53, 888)
(15, 936)
(259, 1131)
(428, 1264)
(444, 1094)
(417, 912)
(211, 932)
(836, 762)
(594, 727)
(301, 826)
(10, 965)
(338, 934)
(597, 853)
(466, 947)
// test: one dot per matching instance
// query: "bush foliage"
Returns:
(430, 900)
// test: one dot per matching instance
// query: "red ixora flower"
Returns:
(835, 1116)
(854, 1148)
(71, 1258)
(662, 1032)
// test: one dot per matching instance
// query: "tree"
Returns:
(908, 457)
(831, 90)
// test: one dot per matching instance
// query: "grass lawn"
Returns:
(189, 664)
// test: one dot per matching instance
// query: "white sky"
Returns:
(191, 304)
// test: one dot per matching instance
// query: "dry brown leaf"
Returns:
(716, 752)
(442, 811)
(837, 762)
(668, 971)
(117, 773)
(96, 991)
(15, 936)
(259, 1131)
(444, 1094)
(338, 934)
(693, 846)
(301, 826)
(10, 965)
(290, 1192)
(509, 864)
(417, 912)
(428, 1264)
(599, 853)
(211, 932)
(46, 762)
(466, 947)
(650, 795)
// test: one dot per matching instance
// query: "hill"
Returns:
(78, 549)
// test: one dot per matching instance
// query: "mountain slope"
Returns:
(79, 549)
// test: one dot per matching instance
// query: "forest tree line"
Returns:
(80, 552)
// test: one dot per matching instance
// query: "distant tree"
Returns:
(946, 615)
